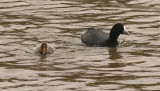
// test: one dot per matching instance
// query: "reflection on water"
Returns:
(132, 66)
(114, 54)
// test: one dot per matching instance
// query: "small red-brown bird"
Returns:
(44, 49)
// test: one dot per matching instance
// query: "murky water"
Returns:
(25, 24)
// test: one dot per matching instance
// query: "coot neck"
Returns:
(113, 38)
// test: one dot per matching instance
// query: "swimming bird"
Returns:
(44, 49)
(93, 37)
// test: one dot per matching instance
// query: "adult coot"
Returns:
(94, 37)
(44, 49)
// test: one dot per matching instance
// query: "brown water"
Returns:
(25, 24)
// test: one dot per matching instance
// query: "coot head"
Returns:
(116, 30)
(43, 48)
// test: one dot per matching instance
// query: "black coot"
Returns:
(93, 37)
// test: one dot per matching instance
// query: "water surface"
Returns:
(25, 24)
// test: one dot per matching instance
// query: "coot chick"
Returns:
(44, 49)
(93, 37)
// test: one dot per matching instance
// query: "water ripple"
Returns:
(24, 25)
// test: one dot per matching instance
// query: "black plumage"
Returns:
(93, 37)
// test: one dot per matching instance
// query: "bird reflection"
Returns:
(113, 54)
(42, 63)
(43, 57)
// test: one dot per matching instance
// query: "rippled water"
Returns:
(25, 24)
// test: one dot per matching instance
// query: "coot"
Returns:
(44, 49)
(93, 37)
